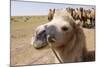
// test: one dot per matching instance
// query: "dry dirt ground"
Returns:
(23, 53)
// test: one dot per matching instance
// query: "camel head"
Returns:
(57, 32)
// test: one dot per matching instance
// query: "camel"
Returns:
(64, 35)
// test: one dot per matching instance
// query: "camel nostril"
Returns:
(51, 39)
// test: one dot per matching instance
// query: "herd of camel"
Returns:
(85, 16)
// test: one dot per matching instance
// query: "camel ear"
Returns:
(78, 23)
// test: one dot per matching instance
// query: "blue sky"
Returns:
(21, 8)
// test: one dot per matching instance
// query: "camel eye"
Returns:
(64, 28)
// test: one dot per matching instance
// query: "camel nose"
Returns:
(50, 29)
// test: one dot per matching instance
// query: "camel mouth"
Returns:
(39, 39)
(40, 44)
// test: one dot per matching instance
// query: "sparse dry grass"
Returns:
(22, 53)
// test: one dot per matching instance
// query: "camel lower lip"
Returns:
(39, 46)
